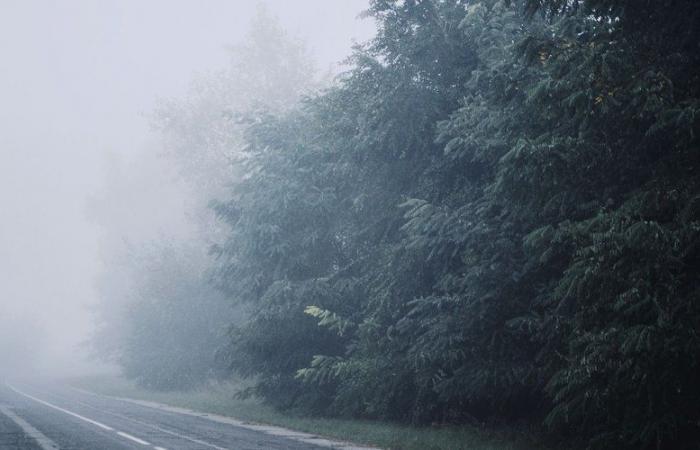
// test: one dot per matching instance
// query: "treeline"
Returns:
(160, 318)
(493, 215)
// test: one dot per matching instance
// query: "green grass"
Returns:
(219, 398)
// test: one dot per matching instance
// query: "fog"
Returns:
(462, 223)
(82, 171)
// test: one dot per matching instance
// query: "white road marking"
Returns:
(172, 433)
(78, 416)
(133, 438)
(44, 442)
(270, 430)
(145, 424)
(58, 408)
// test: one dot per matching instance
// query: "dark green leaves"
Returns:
(491, 216)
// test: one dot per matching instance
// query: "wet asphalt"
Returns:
(54, 416)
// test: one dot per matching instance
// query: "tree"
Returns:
(495, 213)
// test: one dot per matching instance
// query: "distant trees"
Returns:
(161, 318)
(494, 214)
(175, 321)
(203, 132)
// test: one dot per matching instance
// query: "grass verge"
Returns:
(219, 398)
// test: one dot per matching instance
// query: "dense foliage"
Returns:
(495, 214)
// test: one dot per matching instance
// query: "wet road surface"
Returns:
(54, 416)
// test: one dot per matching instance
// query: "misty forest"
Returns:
(489, 217)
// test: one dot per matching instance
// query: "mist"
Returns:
(408, 224)
(83, 172)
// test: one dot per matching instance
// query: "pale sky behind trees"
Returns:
(78, 79)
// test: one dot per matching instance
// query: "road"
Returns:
(54, 416)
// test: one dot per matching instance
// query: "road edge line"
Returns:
(273, 430)
(78, 416)
(41, 439)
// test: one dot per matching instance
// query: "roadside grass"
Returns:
(219, 398)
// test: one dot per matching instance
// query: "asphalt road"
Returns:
(53, 416)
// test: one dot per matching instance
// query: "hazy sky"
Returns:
(77, 78)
